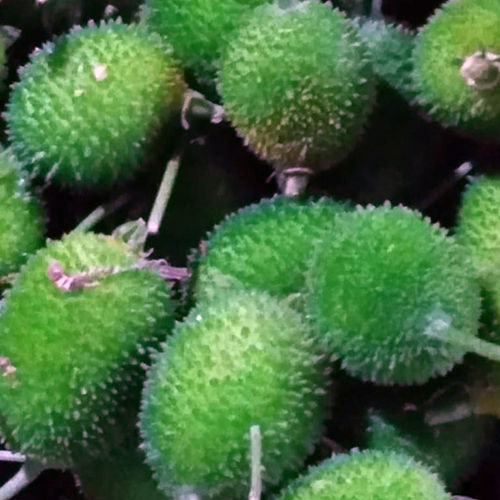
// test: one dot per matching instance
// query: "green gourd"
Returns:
(242, 360)
(199, 31)
(75, 331)
(390, 47)
(393, 296)
(21, 219)
(449, 449)
(294, 110)
(367, 475)
(87, 107)
(265, 246)
(457, 67)
(478, 228)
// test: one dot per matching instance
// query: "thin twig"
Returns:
(445, 186)
(256, 481)
(10, 456)
(24, 476)
(100, 212)
(160, 204)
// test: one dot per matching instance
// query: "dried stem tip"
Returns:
(481, 70)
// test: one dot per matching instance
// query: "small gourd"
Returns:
(75, 331)
(394, 297)
(241, 360)
(457, 67)
(367, 475)
(86, 108)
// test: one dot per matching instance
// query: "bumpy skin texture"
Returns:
(390, 47)
(245, 359)
(76, 355)
(479, 225)
(383, 287)
(459, 29)
(292, 109)
(21, 220)
(86, 109)
(265, 246)
(369, 475)
(198, 30)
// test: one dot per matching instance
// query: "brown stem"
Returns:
(481, 70)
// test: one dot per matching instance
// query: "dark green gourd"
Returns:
(199, 32)
(21, 219)
(294, 110)
(86, 108)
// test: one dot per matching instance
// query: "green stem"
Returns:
(479, 346)
(91, 220)
(164, 192)
(440, 328)
(100, 212)
(24, 476)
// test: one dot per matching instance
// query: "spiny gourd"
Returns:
(297, 84)
(393, 296)
(368, 475)
(478, 228)
(457, 67)
(21, 220)
(243, 359)
(390, 47)
(198, 30)
(264, 246)
(75, 330)
(86, 107)
(449, 449)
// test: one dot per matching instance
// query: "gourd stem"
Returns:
(197, 107)
(440, 329)
(91, 220)
(256, 454)
(100, 212)
(187, 496)
(482, 347)
(459, 412)
(376, 9)
(9, 456)
(24, 476)
(164, 192)
(294, 181)
(481, 70)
